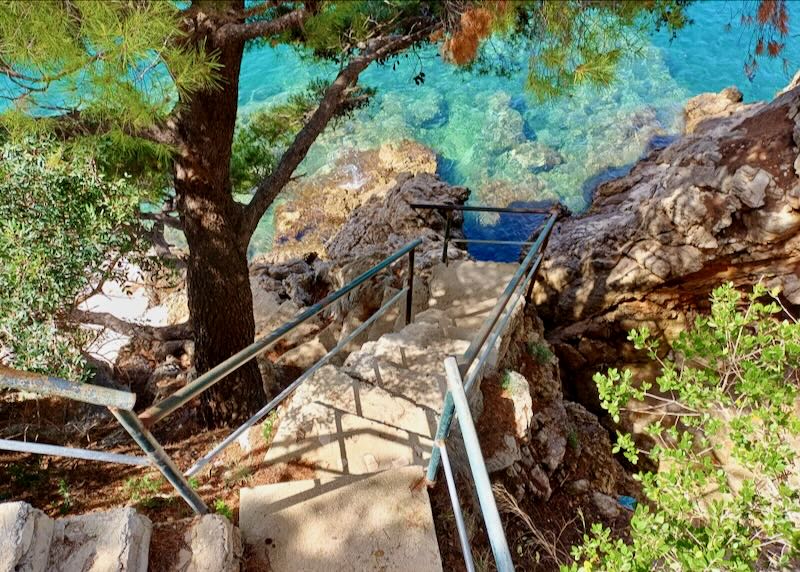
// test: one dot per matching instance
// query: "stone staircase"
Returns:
(365, 432)
(361, 433)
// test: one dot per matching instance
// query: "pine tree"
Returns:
(154, 86)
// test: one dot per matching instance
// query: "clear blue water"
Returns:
(492, 137)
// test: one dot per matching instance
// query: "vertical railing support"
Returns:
(483, 486)
(457, 513)
(159, 457)
(447, 224)
(410, 294)
(441, 434)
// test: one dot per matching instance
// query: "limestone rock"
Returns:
(111, 541)
(303, 356)
(711, 105)
(387, 224)
(717, 205)
(606, 505)
(25, 535)
(215, 545)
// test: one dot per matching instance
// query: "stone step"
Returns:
(25, 536)
(469, 288)
(336, 425)
(209, 543)
(381, 521)
(112, 541)
(409, 363)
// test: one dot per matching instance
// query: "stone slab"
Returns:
(212, 544)
(113, 541)
(25, 535)
(338, 425)
(380, 522)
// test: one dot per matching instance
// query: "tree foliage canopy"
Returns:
(63, 228)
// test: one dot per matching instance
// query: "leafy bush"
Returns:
(723, 420)
(63, 227)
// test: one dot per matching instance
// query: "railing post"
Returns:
(410, 294)
(159, 457)
(441, 433)
(457, 513)
(480, 476)
(447, 224)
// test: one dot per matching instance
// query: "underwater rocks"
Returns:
(320, 205)
(720, 204)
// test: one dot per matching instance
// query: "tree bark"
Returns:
(220, 300)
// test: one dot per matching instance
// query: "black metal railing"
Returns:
(448, 210)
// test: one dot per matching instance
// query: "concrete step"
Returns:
(113, 541)
(408, 363)
(336, 425)
(25, 536)
(375, 522)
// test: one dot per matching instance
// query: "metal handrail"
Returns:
(169, 404)
(471, 365)
(264, 411)
(85, 392)
(477, 464)
(448, 209)
(502, 301)
(120, 403)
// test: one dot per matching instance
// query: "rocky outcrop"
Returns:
(720, 204)
(384, 224)
(701, 110)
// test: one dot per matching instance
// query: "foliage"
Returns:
(723, 420)
(66, 497)
(63, 228)
(221, 507)
(506, 381)
(143, 490)
(107, 59)
(263, 135)
(268, 426)
(540, 352)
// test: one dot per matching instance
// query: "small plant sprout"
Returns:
(268, 426)
(66, 497)
(540, 352)
(221, 507)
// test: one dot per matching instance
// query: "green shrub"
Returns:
(63, 228)
(540, 352)
(728, 391)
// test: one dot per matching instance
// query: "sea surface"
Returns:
(493, 137)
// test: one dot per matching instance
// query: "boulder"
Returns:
(717, 205)
(711, 106)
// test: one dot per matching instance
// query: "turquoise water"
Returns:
(492, 137)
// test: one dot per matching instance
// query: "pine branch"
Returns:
(73, 123)
(240, 32)
(336, 94)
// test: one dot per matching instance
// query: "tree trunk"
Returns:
(220, 300)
